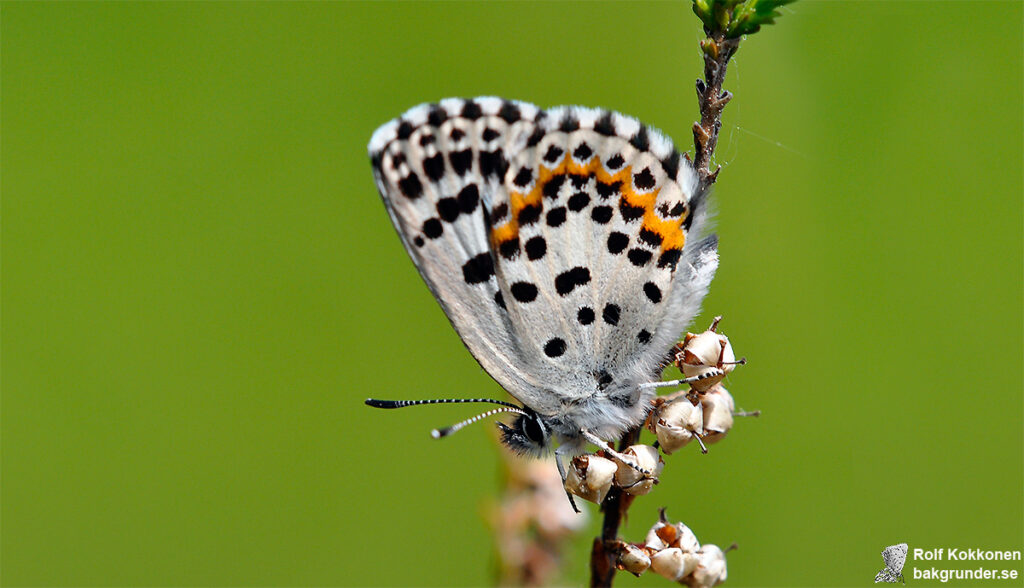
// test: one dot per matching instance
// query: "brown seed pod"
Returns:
(633, 559)
(590, 477)
(707, 356)
(676, 423)
(718, 411)
(673, 563)
(710, 570)
(632, 481)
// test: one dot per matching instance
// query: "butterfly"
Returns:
(566, 248)
(894, 556)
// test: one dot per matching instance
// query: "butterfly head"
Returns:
(528, 434)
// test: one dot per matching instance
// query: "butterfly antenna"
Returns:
(438, 433)
(403, 403)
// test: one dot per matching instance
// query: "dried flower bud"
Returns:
(707, 354)
(675, 423)
(664, 535)
(632, 481)
(673, 563)
(718, 409)
(633, 559)
(590, 477)
(710, 570)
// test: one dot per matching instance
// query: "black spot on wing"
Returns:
(640, 140)
(536, 137)
(493, 163)
(653, 292)
(615, 162)
(607, 190)
(578, 201)
(468, 198)
(617, 242)
(471, 110)
(499, 212)
(535, 248)
(478, 269)
(553, 186)
(639, 257)
(529, 214)
(567, 281)
(671, 164)
(579, 180)
(583, 152)
(523, 177)
(405, 130)
(569, 123)
(669, 258)
(509, 112)
(509, 249)
(448, 209)
(432, 228)
(585, 315)
(629, 212)
(524, 291)
(554, 347)
(644, 180)
(553, 154)
(602, 214)
(556, 216)
(461, 161)
(650, 237)
(610, 314)
(604, 125)
(411, 186)
(436, 116)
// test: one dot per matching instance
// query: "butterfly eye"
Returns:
(534, 430)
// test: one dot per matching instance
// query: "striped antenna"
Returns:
(438, 433)
(403, 403)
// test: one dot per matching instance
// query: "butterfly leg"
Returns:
(607, 449)
(561, 472)
(712, 373)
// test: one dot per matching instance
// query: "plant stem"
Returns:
(712, 100)
(615, 505)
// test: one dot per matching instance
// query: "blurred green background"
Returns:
(200, 287)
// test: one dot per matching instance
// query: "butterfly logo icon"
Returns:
(894, 556)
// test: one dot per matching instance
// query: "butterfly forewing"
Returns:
(429, 172)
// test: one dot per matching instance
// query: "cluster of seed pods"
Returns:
(672, 551)
(704, 412)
